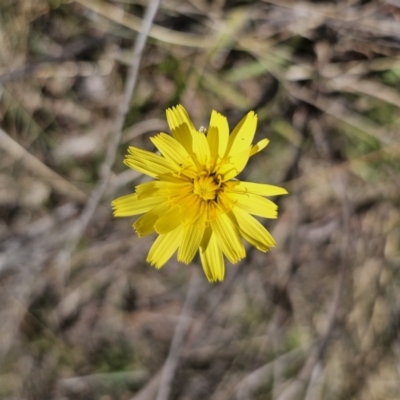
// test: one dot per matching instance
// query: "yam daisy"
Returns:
(194, 203)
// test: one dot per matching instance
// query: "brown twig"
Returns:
(41, 170)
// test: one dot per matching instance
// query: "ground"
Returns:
(83, 316)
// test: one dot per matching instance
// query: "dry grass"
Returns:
(83, 316)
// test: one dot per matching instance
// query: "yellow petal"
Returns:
(174, 178)
(228, 238)
(183, 130)
(146, 162)
(147, 189)
(242, 136)
(225, 203)
(262, 144)
(254, 204)
(176, 116)
(194, 208)
(211, 257)
(169, 221)
(234, 166)
(194, 142)
(201, 150)
(129, 205)
(186, 201)
(183, 116)
(255, 188)
(180, 126)
(145, 224)
(218, 135)
(173, 152)
(191, 239)
(163, 189)
(252, 230)
(164, 247)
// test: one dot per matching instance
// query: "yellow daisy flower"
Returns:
(194, 203)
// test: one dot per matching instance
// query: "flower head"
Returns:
(194, 203)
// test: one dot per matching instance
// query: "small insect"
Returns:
(202, 129)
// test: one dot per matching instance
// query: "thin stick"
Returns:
(40, 170)
(171, 364)
(115, 139)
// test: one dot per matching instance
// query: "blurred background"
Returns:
(82, 314)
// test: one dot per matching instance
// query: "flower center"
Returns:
(206, 187)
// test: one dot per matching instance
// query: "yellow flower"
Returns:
(194, 203)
